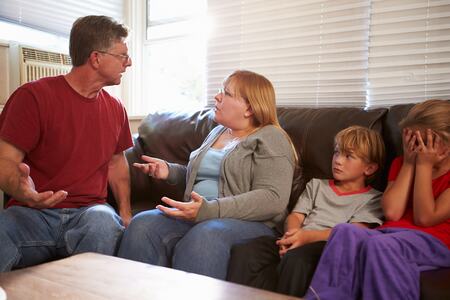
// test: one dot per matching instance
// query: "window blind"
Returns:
(314, 52)
(409, 56)
(57, 16)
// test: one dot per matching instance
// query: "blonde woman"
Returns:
(237, 185)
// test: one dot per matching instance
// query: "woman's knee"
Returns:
(144, 220)
(295, 259)
(206, 239)
(154, 227)
(212, 233)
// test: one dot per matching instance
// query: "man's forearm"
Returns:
(119, 181)
(9, 176)
(120, 186)
(10, 159)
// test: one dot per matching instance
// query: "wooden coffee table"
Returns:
(94, 276)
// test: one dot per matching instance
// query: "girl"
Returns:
(386, 263)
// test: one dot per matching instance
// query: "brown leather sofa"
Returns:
(172, 136)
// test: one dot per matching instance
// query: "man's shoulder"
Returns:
(36, 91)
(43, 83)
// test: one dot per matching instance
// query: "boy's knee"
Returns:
(294, 260)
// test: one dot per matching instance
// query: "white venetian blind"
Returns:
(409, 58)
(314, 52)
(56, 16)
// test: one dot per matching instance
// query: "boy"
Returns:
(287, 265)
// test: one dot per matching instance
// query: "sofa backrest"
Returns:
(172, 136)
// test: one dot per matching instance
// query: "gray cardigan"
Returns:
(255, 177)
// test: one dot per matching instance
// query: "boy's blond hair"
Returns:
(364, 142)
(433, 114)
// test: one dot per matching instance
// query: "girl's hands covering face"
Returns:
(409, 140)
(432, 150)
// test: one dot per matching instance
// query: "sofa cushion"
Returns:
(434, 284)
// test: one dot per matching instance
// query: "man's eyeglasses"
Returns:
(123, 57)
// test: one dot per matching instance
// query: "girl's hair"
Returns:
(433, 114)
(365, 143)
(258, 91)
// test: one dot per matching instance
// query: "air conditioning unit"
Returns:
(28, 64)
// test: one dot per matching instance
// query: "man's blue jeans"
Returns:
(31, 236)
(202, 248)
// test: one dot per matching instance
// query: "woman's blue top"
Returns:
(207, 181)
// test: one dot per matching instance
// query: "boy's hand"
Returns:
(286, 235)
(429, 154)
(409, 140)
(290, 240)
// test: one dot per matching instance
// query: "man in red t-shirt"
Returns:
(62, 140)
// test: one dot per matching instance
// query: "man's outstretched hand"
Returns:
(26, 191)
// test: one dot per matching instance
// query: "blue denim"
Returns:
(31, 236)
(202, 248)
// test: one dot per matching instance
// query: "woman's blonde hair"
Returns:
(433, 114)
(258, 91)
(364, 142)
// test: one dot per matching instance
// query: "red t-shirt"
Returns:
(68, 139)
(440, 184)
